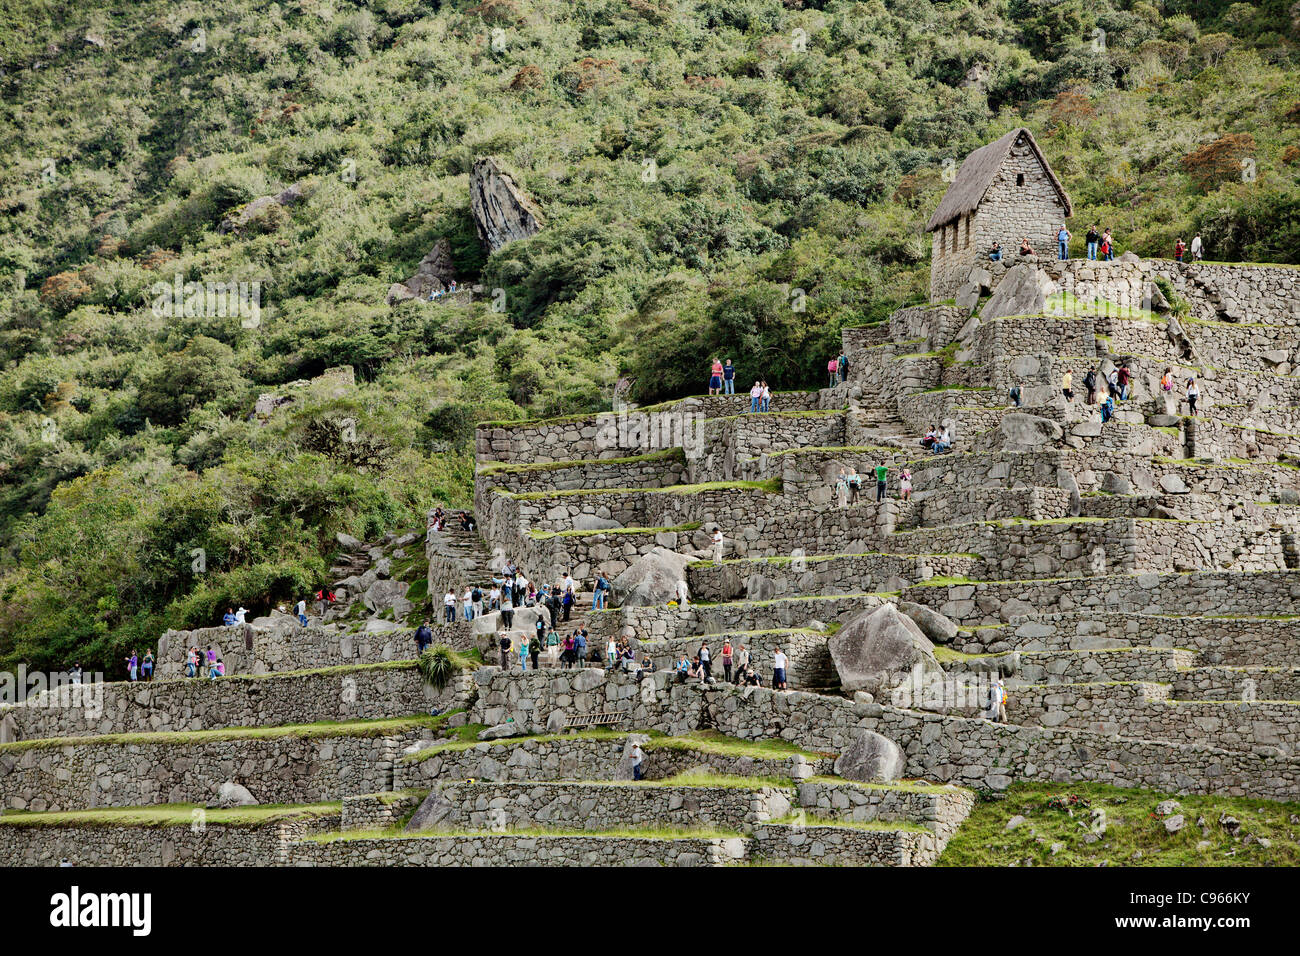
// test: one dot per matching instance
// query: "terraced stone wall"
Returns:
(260, 650)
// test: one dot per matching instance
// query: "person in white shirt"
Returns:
(494, 597)
(755, 397)
(449, 607)
(301, 610)
(1196, 247)
(779, 664)
(682, 593)
(240, 615)
(717, 545)
(611, 651)
(568, 584)
(467, 603)
(637, 756)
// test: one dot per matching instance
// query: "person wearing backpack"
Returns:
(535, 648)
(580, 646)
(842, 369)
(505, 644)
(842, 488)
(423, 637)
(600, 595)
(726, 656)
(567, 601)
(1090, 383)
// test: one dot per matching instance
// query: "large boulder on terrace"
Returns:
(651, 579)
(878, 648)
(1023, 291)
(1019, 431)
(871, 758)
(933, 625)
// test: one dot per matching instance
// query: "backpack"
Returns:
(477, 595)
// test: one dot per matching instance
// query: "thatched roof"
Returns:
(978, 171)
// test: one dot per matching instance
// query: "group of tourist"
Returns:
(838, 370)
(136, 669)
(848, 484)
(438, 291)
(1118, 386)
(937, 440)
(438, 520)
(722, 378)
(737, 666)
(1098, 246)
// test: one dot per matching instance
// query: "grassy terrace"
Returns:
(770, 486)
(787, 559)
(544, 535)
(1134, 833)
(498, 467)
(354, 728)
(531, 833)
(671, 405)
(172, 815)
(701, 741)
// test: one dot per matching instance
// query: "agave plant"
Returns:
(437, 665)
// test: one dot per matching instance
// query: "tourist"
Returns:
(1193, 393)
(637, 756)
(553, 647)
(301, 610)
(1090, 383)
(1180, 247)
(75, 674)
(764, 397)
(842, 488)
(715, 378)
(324, 598)
(1112, 383)
(228, 619)
(905, 484)
(146, 666)
(742, 660)
(523, 653)
(476, 601)
(756, 397)
(449, 607)
(192, 662)
(726, 655)
(535, 649)
(779, 664)
(1107, 246)
(833, 369)
(212, 658)
(705, 658)
(1167, 380)
(1015, 395)
(580, 646)
(942, 442)
(1196, 247)
(217, 669)
(729, 378)
(600, 595)
(1067, 385)
(467, 604)
(423, 637)
(717, 546)
(507, 611)
(681, 669)
(132, 666)
(843, 369)
(566, 655)
(995, 253)
(927, 442)
(1063, 242)
(1093, 238)
(504, 643)
(696, 670)
(997, 705)
(494, 597)
(882, 474)
(751, 677)
(241, 615)
(567, 602)
(1107, 408)
(1026, 250)
(1122, 378)
(683, 593)
(855, 485)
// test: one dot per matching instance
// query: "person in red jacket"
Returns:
(1180, 247)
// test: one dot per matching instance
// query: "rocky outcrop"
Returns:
(434, 273)
(1023, 291)
(502, 212)
(875, 648)
(870, 758)
(1021, 432)
(263, 209)
(651, 579)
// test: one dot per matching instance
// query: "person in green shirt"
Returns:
(882, 472)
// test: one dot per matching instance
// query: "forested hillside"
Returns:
(717, 176)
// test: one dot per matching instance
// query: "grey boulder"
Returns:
(878, 646)
(870, 758)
